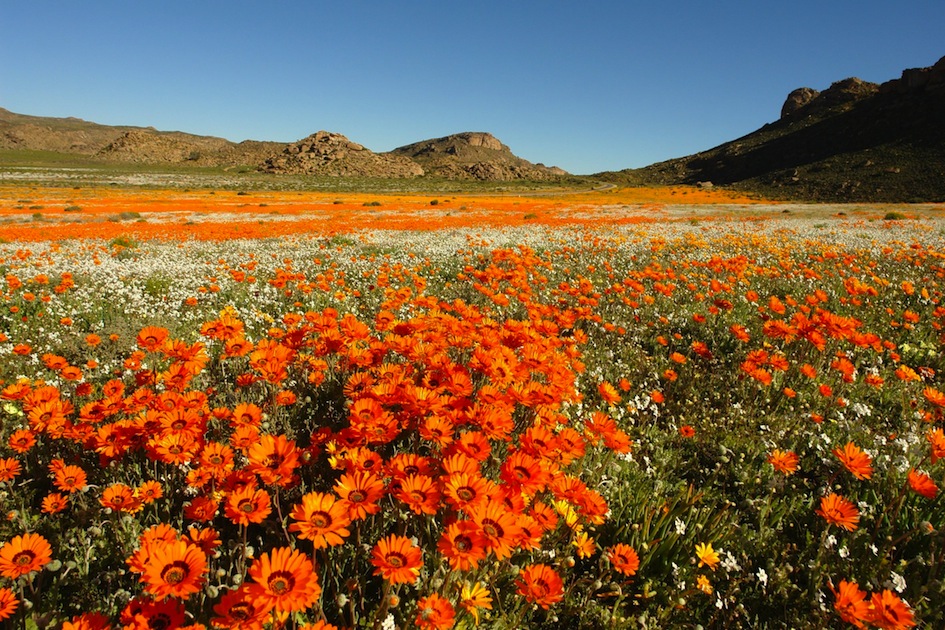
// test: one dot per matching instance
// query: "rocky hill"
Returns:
(474, 155)
(854, 141)
(332, 154)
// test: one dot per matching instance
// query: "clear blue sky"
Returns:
(587, 86)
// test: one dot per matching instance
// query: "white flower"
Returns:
(843, 552)
(680, 527)
(898, 582)
(389, 623)
(729, 563)
(762, 577)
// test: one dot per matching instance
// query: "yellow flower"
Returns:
(706, 555)
(703, 584)
(584, 544)
(473, 597)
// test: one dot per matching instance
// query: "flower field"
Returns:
(616, 409)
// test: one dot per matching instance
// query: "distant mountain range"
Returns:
(854, 141)
(470, 155)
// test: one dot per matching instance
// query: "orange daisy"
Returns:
(236, 611)
(466, 490)
(784, 461)
(10, 467)
(419, 493)
(886, 610)
(70, 478)
(396, 559)
(836, 510)
(321, 518)
(499, 526)
(283, 579)
(855, 460)
(360, 491)
(463, 544)
(22, 440)
(922, 484)
(247, 505)
(24, 554)
(120, 498)
(539, 584)
(849, 602)
(624, 558)
(8, 603)
(274, 458)
(53, 503)
(174, 569)
(435, 612)
(936, 440)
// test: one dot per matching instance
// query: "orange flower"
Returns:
(419, 493)
(9, 468)
(120, 498)
(849, 602)
(247, 505)
(24, 554)
(360, 491)
(539, 584)
(687, 431)
(435, 612)
(463, 544)
(784, 461)
(886, 610)
(855, 460)
(322, 519)
(70, 478)
(151, 338)
(922, 484)
(524, 473)
(466, 490)
(624, 558)
(838, 511)
(499, 526)
(174, 569)
(396, 559)
(936, 439)
(934, 396)
(22, 440)
(201, 509)
(149, 491)
(8, 603)
(274, 458)
(54, 503)
(608, 393)
(236, 611)
(284, 579)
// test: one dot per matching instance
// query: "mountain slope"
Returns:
(855, 141)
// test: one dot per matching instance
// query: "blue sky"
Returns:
(587, 86)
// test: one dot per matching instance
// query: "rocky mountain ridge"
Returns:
(854, 141)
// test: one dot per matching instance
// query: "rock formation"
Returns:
(326, 153)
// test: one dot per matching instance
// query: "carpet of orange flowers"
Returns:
(300, 410)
